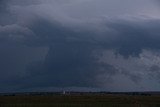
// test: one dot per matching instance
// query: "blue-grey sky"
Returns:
(111, 45)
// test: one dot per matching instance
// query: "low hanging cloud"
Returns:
(56, 43)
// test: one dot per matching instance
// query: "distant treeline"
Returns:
(77, 93)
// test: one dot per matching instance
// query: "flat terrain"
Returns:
(81, 101)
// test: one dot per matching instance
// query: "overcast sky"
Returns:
(86, 45)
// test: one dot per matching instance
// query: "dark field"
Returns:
(81, 101)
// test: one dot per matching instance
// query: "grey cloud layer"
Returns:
(47, 44)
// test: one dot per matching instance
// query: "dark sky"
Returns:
(110, 45)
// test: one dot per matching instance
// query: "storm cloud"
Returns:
(85, 44)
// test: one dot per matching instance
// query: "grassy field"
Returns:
(80, 101)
